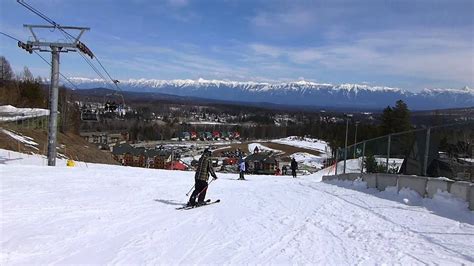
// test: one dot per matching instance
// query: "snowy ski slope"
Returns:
(121, 215)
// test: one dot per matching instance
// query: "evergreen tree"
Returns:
(31, 95)
(387, 121)
(396, 119)
(370, 164)
(401, 117)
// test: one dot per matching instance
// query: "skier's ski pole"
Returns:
(187, 194)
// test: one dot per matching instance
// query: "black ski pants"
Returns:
(199, 186)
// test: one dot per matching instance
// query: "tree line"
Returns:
(25, 91)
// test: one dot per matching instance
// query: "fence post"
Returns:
(345, 159)
(363, 158)
(337, 157)
(427, 150)
(345, 145)
(388, 149)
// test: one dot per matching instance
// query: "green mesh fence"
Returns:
(440, 151)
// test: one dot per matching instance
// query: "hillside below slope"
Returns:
(35, 141)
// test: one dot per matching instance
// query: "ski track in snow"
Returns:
(123, 215)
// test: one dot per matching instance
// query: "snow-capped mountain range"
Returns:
(296, 93)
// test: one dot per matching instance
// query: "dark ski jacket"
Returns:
(204, 168)
(294, 165)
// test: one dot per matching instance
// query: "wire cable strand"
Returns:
(71, 37)
(46, 61)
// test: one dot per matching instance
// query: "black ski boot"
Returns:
(200, 203)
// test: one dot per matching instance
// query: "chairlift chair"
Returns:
(89, 115)
(114, 103)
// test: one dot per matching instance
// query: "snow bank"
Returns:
(187, 160)
(8, 157)
(358, 183)
(468, 160)
(442, 203)
(352, 166)
(252, 146)
(306, 143)
(307, 159)
(19, 137)
(11, 113)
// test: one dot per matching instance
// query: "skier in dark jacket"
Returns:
(294, 166)
(201, 177)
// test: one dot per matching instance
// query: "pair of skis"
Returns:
(206, 203)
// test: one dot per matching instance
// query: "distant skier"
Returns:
(293, 166)
(284, 170)
(241, 169)
(201, 177)
(256, 150)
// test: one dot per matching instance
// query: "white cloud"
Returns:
(306, 55)
(436, 55)
(285, 21)
(432, 58)
(268, 50)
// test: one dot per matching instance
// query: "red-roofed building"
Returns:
(216, 135)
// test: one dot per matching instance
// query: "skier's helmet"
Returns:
(207, 152)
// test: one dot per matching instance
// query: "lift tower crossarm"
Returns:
(38, 42)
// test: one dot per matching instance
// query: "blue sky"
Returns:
(407, 44)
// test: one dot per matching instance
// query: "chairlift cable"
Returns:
(69, 36)
(46, 61)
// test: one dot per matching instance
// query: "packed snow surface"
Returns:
(124, 215)
(11, 113)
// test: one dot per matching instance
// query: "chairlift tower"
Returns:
(55, 48)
